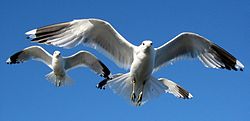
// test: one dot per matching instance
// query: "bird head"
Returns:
(57, 54)
(146, 45)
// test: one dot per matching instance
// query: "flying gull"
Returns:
(138, 84)
(60, 65)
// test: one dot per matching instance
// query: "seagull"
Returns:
(60, 65)
(138, 85)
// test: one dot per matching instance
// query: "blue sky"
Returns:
(219, 95)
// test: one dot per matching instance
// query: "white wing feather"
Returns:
(95, 33)
(86, 59)
(33, 52)
(190, 45)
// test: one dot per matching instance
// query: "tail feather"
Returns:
(121, 84)
(152, 89)
(58, 81)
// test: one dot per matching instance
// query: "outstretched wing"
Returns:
(175, 89)
(32, 52)
(86, 59)
(95, 33)
(190, 45)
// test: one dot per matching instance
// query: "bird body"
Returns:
(142, 67)
(138, 84)
(60, 65)
(143, 63)
(58, 70)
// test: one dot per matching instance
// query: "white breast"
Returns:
(142, 65)
(58, 67)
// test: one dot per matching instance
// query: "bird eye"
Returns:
(143, 43)
(151, 43)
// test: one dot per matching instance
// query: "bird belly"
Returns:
(58, 70)
(142, 67)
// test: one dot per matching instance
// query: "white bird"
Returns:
(60, 65)
(138, 84)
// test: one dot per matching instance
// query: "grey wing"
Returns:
(32, 52)
(95, 33)
(190, 45)
(86, 59)
(175, 89)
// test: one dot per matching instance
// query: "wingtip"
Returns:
(102, 84)
(190, 96)
(31, 33)
(8, 61)
(239, 65)
(14, 58)
(106, 71)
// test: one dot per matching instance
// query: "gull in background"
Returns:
(60, 65)
(138, 84)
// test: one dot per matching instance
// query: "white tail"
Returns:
(58, 81)
(121, 84)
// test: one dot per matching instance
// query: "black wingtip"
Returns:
(17, 62)
(227, 59)
(184, 93)
(14, 58)
(102, 84)
(43, 34)
(106, 71)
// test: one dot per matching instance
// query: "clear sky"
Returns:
(219, 95)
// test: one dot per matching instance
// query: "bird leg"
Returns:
(139, 100)
(133, 96)
(58, 83)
